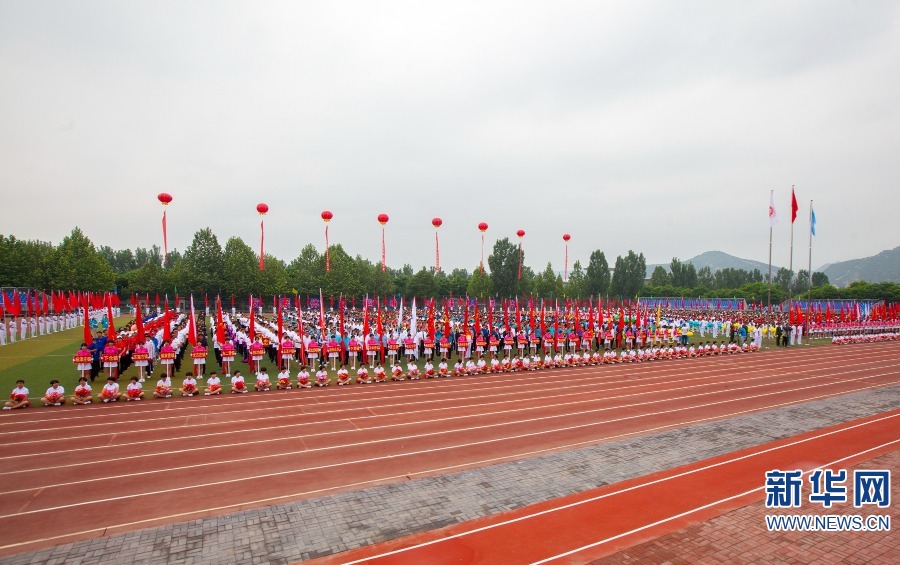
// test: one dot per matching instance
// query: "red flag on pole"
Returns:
(86, 335)
(167, 329)
(794, 206)
(280, 324)
(252, 329)
(139, 326)
(192, 325)
(300, 330)
(220, 322)
(111, 329)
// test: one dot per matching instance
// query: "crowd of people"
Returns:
(362, 346)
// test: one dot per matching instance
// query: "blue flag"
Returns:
(812, 220)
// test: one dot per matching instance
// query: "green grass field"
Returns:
(38, 360)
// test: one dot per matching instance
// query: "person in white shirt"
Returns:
(163, 387)
(55, 395)
(262, 380)
(343, 375)
(18, 398)
(303, 378)
(213, 384)
(413, 371)
(429, 369)
(362, 376)
(83, 392)
(238, 386)
(379, 374)
(133, 390)
(283, 382)
(443, 369)
(110, 391)
(189, 385)
(322, 376)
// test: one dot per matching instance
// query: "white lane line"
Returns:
(303, 494)
(705, 506)
(386, 426)
(639, 486)
(372, 459)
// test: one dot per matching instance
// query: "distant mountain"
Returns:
(717, 260)
(884, 267)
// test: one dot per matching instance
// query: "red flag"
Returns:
(466, 317)
(794, 206)
(506, 315)
(518, 316)
(322, 314)
(13, 306)
(252, 329)
(167, 327)
(139, 326)
(157, 300)
(280, 323)
(192, 326)
(431, 331)
(342, 303)
(477, 324)
(446, 320)
(543, 320)
(220, 322)
(111, 329)
(86, 336)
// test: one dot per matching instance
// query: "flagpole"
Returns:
(791, 260)
(771, 196)
(809, 268)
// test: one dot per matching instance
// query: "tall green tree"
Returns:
(660, 277)
(201, 267)
(240, 265)
(628, 277)
(504, 265)
(577, 285)
(597, 274)
(77, 264)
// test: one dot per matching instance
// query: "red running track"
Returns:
(101, 470)
(596, 523)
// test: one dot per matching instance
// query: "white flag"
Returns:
(412, 320)
(773, 216)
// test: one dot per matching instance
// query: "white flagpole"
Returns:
(809, 268)
(771, 211)
(791, 260)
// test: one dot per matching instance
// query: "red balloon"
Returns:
(436, 222)
(383, 219)
(520, 233)
(164, 197)
(483, 226)
(326, 215)
(566, 237)
(262, 208)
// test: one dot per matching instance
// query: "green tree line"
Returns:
(206, 266)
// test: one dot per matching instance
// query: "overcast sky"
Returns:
(654, 126)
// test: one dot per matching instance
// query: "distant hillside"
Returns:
(717, 260)
(884, 267)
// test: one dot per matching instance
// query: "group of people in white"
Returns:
(865, 338)
(16, 328)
